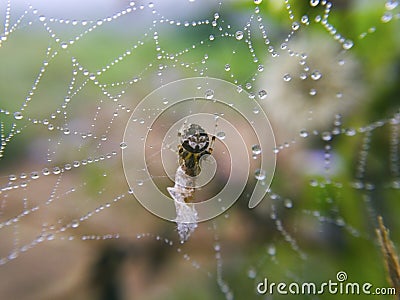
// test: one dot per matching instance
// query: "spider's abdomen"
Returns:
(190, 163)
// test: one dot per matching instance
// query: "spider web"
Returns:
(72, 73)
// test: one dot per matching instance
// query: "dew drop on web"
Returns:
(260, 174)
(256, 149)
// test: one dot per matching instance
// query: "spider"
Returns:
(195, 143)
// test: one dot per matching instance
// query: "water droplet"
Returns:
(396, 184)
(262, 94)
(75, 224)
(256, 149)
(287, 77)
(303, 133)
(211, 37)
(341, 62)
(256, 110)
(350, 132)
(34, 175)
(257, 2)
(391, 4)
(387, 17)
(252, 273)
(18, 115)
(227, 67)
(313, 92)
(239, 35)
(123, 145)
(303, 76)
(288, 203)
(165, 101)
(316, 75)
(271, 250)
(260, 68)
(314, 2)
(348, 44)
(64, 45)
(357, 185)
(56, 170)
(326, 136)
(13, 255)
(139, 182)
(209, 94)
(221, 135)
(260, 174)
(295, 26)
(304, 19)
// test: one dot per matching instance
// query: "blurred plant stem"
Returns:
(390, 256)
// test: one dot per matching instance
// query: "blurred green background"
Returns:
(313, 224)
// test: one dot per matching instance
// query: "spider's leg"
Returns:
(210, 149)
